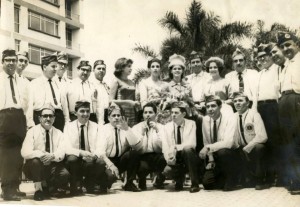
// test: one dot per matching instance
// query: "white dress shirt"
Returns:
(268, 83)
(225, 126)
(188, 136)
(290, 79)
(250, 79)
(152, 139)
(6, 92)
(79, 90)
(102, 96)
(40, 94)
(106, 146)
(34, 145)
(72, 133)
(254, 130)
(197, 83)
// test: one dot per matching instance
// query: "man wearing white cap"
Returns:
(44, 150)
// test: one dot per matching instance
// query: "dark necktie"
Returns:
(117, 142)
(59, 78)
(178, 135)
(242, 130)
(12, 89)
(52, 91)
(47, 141)
(215, 133)
(82, 142)
(241, 82)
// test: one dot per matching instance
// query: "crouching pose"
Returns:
(43, 150)
(179, 148)
(152, 159)
(119, 150)
(218, 133)
(250, 136)
(80, 137)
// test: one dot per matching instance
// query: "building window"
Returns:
(36, 53)
(54, 2)
(69, 38)
(42, 23)
(17, 45)
(17, 18)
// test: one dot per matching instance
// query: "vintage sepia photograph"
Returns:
(152, 103)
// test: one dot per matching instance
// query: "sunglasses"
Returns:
(22, 60)
(10, 60)
(45, 116)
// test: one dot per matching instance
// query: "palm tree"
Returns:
(201, 31)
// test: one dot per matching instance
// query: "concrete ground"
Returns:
(273, 197)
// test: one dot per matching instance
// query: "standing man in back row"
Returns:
(289, 110)
(241, 79)
(81, 88)
(44, 90)
(12, 126)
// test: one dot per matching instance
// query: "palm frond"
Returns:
(144, 50)
(172, 23)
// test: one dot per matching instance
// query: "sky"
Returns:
(113, 27)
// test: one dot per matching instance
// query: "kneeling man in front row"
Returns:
(250, 136)
(119, 149)
(151, 134)
(218, 133)
(179, 146)
(43, 150)
(81, 138)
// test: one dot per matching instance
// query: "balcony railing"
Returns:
(72, 15)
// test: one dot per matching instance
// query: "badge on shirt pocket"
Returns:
(249, 129)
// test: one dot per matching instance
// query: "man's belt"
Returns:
(288, 92)
(10, 109)
(267, 101)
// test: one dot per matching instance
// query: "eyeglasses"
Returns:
(85, 70)
(45, 116)
(238, 60)
(10, 60)
(22, 60)
(115, 115)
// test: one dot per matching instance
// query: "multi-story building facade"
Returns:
(42, 27)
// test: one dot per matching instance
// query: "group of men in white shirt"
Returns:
(61, 112)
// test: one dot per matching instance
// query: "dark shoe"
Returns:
(261, 186)
(38, 196)
(131, 187)
(159, 185)
(11, 197)
(76, 192)
(194, 189)
(20, 193)
(59, 193)
(178, 186)
(142, 184)
(294, 189)
(103, 191)
(229, 187)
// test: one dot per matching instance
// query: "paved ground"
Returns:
(274, 197)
